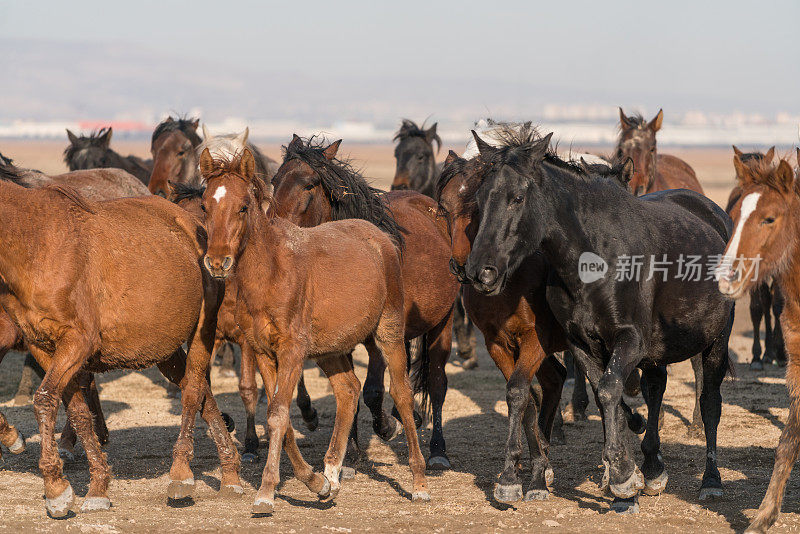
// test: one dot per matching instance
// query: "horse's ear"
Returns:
(785, 175)
(655, 124)
(770, 155)
(105, 139)
(247, 165)
(206, 134)
(73, 139)
(484, 148)
(539, 149)
(623, 119)
(431, 136)
(738, 152)
(626, 173)
(330, 152)
(451, 158)
(296, 143)
(195, 123)
(206, 163)
(742, 172)
(242, 137)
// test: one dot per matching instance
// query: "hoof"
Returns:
(756, 365)
(95, 504)
(393, 433)
(347, 473)
(60, 506)
(18, 447)
(438, 463)
(263, 506)
(420, 496)
(629, 488)
(230, 425)
(656, 485)
(537, 495)
(313, 422)
(625, 506)
(710, 494)
(231, 491)
(180, 489)
(325, 492)
(508, 494)
(470, 363)
(549, 476)
(250, 457)
(66, 455)
(754, 529)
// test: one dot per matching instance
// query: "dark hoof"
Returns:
(439, 463)
(637, 424)
(347, 473)
(629, 488)
(180, 489)
(710, 494)
(61, 506)
(263, 506)
(537, 495)
(625, 506)
(394, 429)
(250, 457)
(312, 422)
(66, 455)
(756, 365)
(508, 494)
(229, 423)
(95, 504)
(231, 491)
(656, 485)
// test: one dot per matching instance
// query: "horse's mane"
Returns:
(762, 172)
(5, 161)
(185, 191)
(409, 128)
(11, 173)
(636, 121)
(182, 124)
(91, 140)
(350, 195)
(224, 165)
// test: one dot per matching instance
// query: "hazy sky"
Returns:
(703, 55)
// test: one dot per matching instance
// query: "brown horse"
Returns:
(307, 293)
(312, 187)
(765, 297)
(767, 226)
(79, 285)
(652, 171)
(190, 198)
(174, 148)
(94, 152)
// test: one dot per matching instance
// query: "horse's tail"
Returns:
(421, 372)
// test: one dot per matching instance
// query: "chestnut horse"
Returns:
(307, 293)
(190, 198)
(767, 226)
(94, 152)
(764, 297)
(79, 285)
(312, 187)
(417, 170)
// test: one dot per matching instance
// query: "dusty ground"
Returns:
(144, 425)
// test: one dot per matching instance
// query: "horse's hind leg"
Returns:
(248, 391)
(777, 332)
(715, 365)
(385, 426)
(26, 382)
(439, 341)
(653, 387)
(346, 389)
(66, 443)
(580, 399)
(696, 427)
(308, 411)
(551, 376)
(465, 334)
(756, 313)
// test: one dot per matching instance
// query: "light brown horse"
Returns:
(767, 226)
(79, 281)
(652, 171)
(307, 293)
(313, 187)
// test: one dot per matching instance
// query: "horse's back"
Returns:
(674, 173)
(103, 183)
(696, 204)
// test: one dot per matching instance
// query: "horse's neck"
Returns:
(21, 216)
(789, 279)
(258, 261)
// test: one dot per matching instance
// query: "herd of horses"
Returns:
(303, 259)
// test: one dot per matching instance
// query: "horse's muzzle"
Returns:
(458, 271)
(219, 268)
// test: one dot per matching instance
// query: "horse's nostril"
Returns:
(488, 275)
(227, 263)
(207, 263)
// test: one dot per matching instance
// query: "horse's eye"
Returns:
(421, 157)
(309, 187)
(518, 199)
(181, 152)
(768, 220)
(243, 210)
(203, 207)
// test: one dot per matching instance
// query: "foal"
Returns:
(80, 287)
(307, 293)
(767, 219)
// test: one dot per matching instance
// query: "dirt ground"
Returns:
(144, 425)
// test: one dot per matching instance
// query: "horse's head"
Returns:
(298, 187)
(637, 140)
(234, 196)
(174, 157)
(765, 227)
(416, 162)
(87, 152)
(508, 201)
(455, 195)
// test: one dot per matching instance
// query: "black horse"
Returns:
(417, 170)
(618, 286)
(94, 151)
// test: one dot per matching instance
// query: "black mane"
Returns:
(350, 195)
(9, 172)
(185, 191)
(184, 125)
(409, 128)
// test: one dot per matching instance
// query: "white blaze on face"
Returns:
(219, 194)
(748, 207)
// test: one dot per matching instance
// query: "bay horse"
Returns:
(532, 202)
(174, 149)
(307, 293)
(80, 288)
(768, 227)
(312, 187)
(190, 198)
(94, 152)
(417, 170)
(765, 297)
